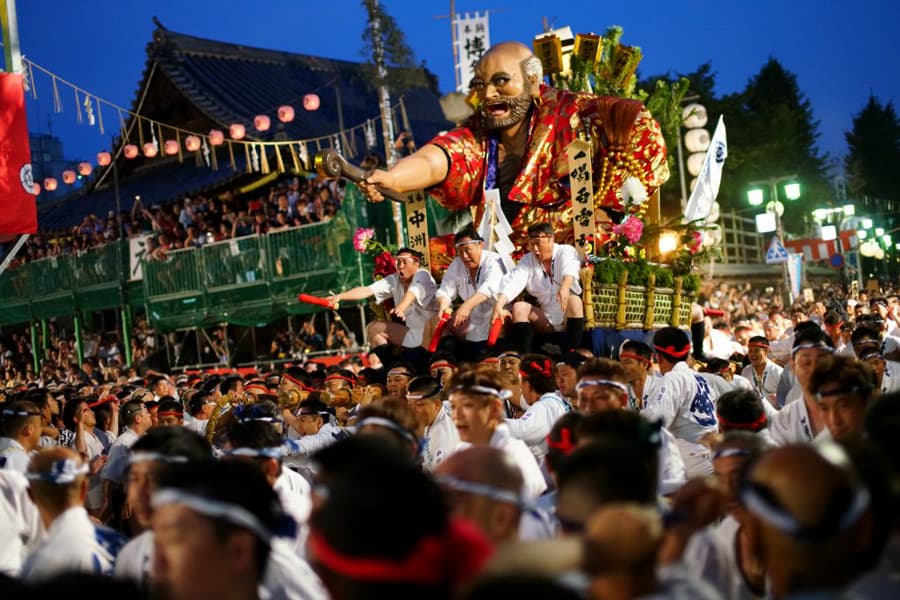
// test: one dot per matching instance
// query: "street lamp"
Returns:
(756, 197)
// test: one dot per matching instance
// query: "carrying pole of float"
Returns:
(384, 98)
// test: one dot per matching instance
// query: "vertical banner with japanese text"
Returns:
(578, 155)
(472, 40)
(417, 225)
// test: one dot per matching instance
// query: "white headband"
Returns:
(482, 389)
(62, 472)
(608, 382)
(271, 452)
(232, 513)
(144, 456)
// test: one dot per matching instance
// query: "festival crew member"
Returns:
(516, 142)
(801, 420)
(636, 359)
(80, 418)
(412, 289)
(545, 404)
(433, 419)
(219, 518)
(58, 486)
(843, 388)
(762, 372)
(317, 430)
(684, 401)
(550, 273)
(567, 376)
(20, 423)
(473, 277)
(476, 399)
(601, 387)
(887, 372)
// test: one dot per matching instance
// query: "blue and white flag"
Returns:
(701, 201)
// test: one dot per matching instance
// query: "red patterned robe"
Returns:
(626, 142)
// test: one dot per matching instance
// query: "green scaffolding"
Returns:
(249, 281)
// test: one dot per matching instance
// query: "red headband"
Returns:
(335, 376)
(671, 351)
(170, 413)
(565, 444)
(442, 363)
(636, 357)
(546, 370)
(296, 381)
(453, 557)
(756, 425)
(257, 388)
(102, 401)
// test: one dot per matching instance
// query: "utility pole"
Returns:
(387, 117)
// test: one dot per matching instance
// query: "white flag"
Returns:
(701, 201)
(472, 39)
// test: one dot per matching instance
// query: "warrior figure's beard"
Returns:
(517, 106)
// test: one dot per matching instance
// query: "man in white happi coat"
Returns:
(20, 423)
(550, 273)
(474, 278)
(545, 404)
(73, 543)
(801, 421)
(684, 402)
(412, 289)
(762, 372)
(435, 424)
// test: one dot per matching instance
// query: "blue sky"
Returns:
(840, 51)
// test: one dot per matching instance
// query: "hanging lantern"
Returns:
(170, 147)
(49, 184)
(150, 150)
(69, 176)
(311, 102)
(237, 131)
(104, 158)
(130, 151)
(35, 188)
(262, 122)
(85, 168)
(192, 143)
(216, 137)
(285, 113)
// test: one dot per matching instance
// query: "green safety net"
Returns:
(249, 281)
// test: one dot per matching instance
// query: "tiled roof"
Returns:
(230, 83)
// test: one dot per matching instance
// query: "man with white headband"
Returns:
(545, 403)
(601, 387)
(684, 401)
(58, 486)
(476, 400)
(219, 520)
(20, 423)
(436, 428)
(762, 372)
(148, 457)
(807, 516)
(801, 420)
(473, 277)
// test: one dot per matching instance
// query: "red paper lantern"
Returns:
(69, 176)
(85, 168)
(130, 151)
(104, 158)
(262, 122)
(150, 150)
(285, 113)
(216, 137)
(311, 102)
(170, 147)
(35, 188)
(192, 143)
(49, 184)
(237, 131)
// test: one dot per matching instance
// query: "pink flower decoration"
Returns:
(632, 228)
(696, 242)
(362, 235)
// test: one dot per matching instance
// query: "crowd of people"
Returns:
(193, 222)
(736, 467)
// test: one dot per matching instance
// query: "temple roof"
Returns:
(199, 84)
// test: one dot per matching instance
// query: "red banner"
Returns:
(18, 210)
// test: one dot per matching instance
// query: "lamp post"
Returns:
(756, 196)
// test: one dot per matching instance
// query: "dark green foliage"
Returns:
(873, 158)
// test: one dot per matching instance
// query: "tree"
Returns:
(873, 158)
(403, 73)
(771, 133)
